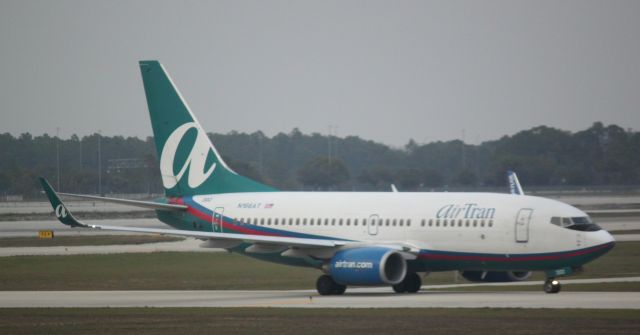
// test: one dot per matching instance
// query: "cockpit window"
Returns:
(580, 223)
(581, 220)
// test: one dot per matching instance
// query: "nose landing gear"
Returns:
(551, 285)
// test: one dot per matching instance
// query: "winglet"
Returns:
(514, 183)
(59, 208)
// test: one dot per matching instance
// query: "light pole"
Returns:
(99, 164)
(58, 156)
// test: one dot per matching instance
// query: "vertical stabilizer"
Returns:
(514, 183)
(189, 163)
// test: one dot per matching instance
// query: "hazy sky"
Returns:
(383, 70)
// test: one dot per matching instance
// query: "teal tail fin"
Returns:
(189, 163)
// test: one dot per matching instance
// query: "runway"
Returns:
(354, 298)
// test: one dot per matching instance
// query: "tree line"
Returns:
(542, 156)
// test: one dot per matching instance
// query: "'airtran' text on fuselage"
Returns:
(466, 211)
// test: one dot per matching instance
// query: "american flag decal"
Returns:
(267, 206)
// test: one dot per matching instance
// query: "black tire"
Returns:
(552, 286)
(325, 285)
(412, 282)
(399, 287)
(339, 289)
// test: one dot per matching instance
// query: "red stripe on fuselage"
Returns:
(209, 218)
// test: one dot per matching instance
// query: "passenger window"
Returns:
(262, 221)
(355, 222)
(379, 222)
(401, 223)
(444, 223)
(275, 221)
(438, 223)
(422, 222)
(460, 223)
(430, 222)
(348, 222)
(466, 223)
(490, 223)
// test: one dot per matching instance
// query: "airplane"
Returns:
(353, 238)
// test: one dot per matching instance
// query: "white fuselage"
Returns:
(460, 222)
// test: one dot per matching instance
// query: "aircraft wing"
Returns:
(67, 218)
(293, 246)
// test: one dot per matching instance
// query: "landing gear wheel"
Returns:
(410, 284)
(399, 287)
(339, 289)
(551, 285)
(413, 282)
(327, 286)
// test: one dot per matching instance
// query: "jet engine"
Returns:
(495, 276)
(368, 266)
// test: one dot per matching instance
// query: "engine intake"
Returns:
(368, 266)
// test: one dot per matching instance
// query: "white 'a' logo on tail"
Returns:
(61, 212)
(195, 162)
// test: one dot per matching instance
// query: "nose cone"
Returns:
(605, 237)
(602, 238)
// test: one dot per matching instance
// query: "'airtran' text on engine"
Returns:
(353, 265)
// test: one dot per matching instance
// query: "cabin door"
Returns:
(218, 215)
(522, 225)
(372, 224)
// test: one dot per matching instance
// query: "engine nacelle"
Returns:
(496, 276)
(368, 266)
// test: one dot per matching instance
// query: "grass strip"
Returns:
(231, 321)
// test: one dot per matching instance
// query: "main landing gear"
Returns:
(551, 285)
(327, 286)
(410, 284)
